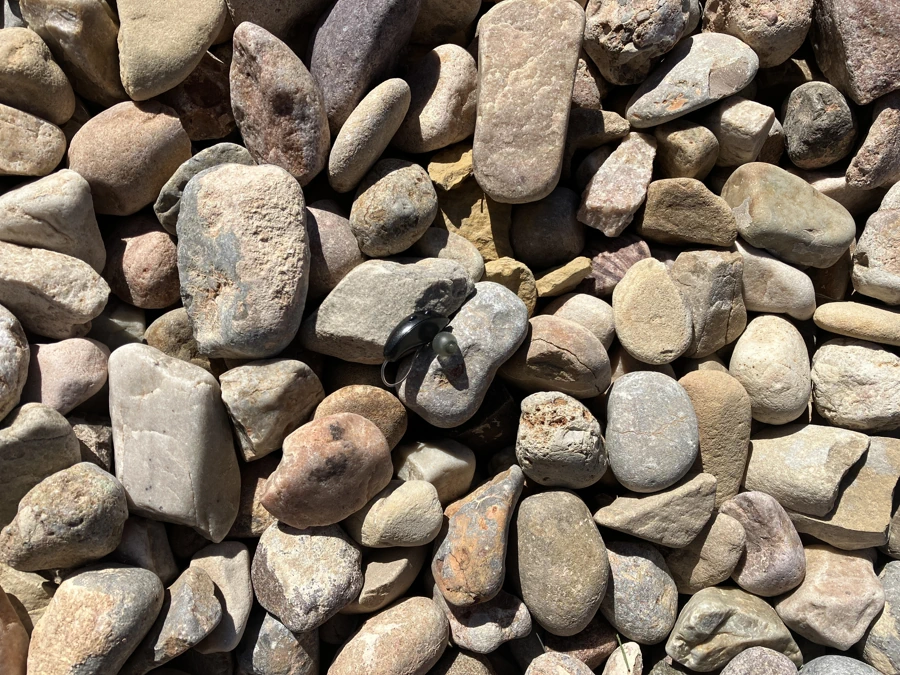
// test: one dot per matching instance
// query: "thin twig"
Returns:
(624, 653)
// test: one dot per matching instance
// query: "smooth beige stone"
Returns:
(30, 80)
(685, 149)
(387, 574)
(864, 322)
(29, 146)
(405, 513)
(774, 287)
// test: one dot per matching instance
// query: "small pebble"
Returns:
(405, 513)
(516, 276)
(685, 149)
(611, 258)
(439, 243)
(333, 249)
(741, 127)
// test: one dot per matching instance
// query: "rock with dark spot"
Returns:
(819, 126)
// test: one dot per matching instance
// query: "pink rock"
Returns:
(65, 374)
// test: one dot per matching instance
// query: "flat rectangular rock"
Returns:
(527, 58)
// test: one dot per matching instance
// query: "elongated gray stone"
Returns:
(173, 448)
(523, 111)
(268, 647)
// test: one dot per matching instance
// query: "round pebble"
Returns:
(65, 374)
(405, 513)
(141, 263)
(819, 126)
(373, 403)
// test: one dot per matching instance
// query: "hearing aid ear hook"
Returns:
(413, 333)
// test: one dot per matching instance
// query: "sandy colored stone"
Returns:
(611, 258)
(449, 167)
(442, 107)
(13, 638)
(877, 162)
(593, 313)
(774, 31)
(468, 211)
(716, 624)
(405, 513)
(439, 243)
(161, 42)
(30, 80)
(773, 561)
(252, 517)
(388, 573)
(457, 662)
(484, 627)
(173, 335)
(562, 279)
(366, 134)
(15, 357)
(710, 558)
(863, 322)
(28, 593)
(672, 517)
(515, 276)
(373, 403)
(723, 411)
(741, 127)
(879, 645)
(876, 266)
(685, 149)
(653, 319)
(469, 561)
(557, 664)
(29, 146)
(832, 182)
(774, 287)
(683, 211)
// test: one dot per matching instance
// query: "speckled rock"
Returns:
(774, 31)
(202, 101)
(557, 664)
(838, 599)
(546, 233)
(771, 362)
(468, 211)
(123, 600)
(316, 483)
(671, 518)
(685, 149)
(774, 287)
(15, 357)
(684, 211)
(590, 87)
(611, 258)
(439, 243)
(174, 452)
(773, 561)
(141, 263)
(168, 204)
(366, 133)
(482, 628)
(554, 532)
(700, 70)
(388, 573)
(716, 624)
(559, 355)
(833, 665)
(127, 153)
(514, 275)
(269, 647)
(710, 558)
(469, 563)
(489, 328)
(405, 513)
(408, 637)
(446, 464)
(352, 45)
(742, 128)
(303, 577)
(876, 266)
(723, 411)
(626, 41)
(819, 126)
(31, 146)
(523, 113)
(854, 383)
(456, 662)
(760, 659)
(877, 162)
(442, 107)
(172, 334)
(226, 213)
(30, 79)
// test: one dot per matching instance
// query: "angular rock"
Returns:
(546, 233)
(684, 211)
(469, 562)
(30, 145)
(741, 127)
(173, 335)
(863, 322)
(450, 167)
(611, 258)
(456, 662)
(563, 278)
(145, 544)
(268, 646)
(879, 645)
(588, 311)
(590, 87)
(877, 162)
(142, 264)
(243, 259)
(405, 513)
(438, 243)
(876, 267)
(482, 628)
(773, 561)
(30, 79)
(446, 464)
(819, 126)
(514, 275)
(333, 249)
(13, 638)
(388, 573)
(28, 593)
(469, 212)
(774, 287)
(15, 356)
(554, 532)
(685, 149)
(589, 130)
(174, 452)
(228, 565)
(710, 558)
(523, 113)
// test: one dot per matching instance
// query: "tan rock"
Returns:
(774, 287)
(467, 211)
(562, 279)
(864, 322)
(29, 146)
(684, 211)
(685, 149)
(13, 639)
(742, 127)
(449, 167)
(515, 276)
(173, 335)
(405, 513)
(373, 403)
(28, 593)
(30, 80)
(387, 574)
(446, 464)
(710, 558)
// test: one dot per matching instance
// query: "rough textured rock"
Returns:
(685, 149)
(700, 70)
(31, 146)
(588, 131)
(838, 599)
(523, 112)
(127, 153)
(742, 128)
(774, 287)
(161, 42)
(854, 383)
(546, 233)
(468, 211)
(352, 45)
(819, 126)
(13, 638)
(238, 226)
(557, 664)
(469, 562)
(876, 267)
(267, 400)
(269, 647)
(651, 434)
(173, 335)
(228, 565)
(15, 356)
(489, 328)
(653, 318)
(877, 162)
(771, 362)
(716, 624)
(671, 518)
(304, 577)
(174, 452)
(388, 573)
(373, 403)
(405, 513)
(482, 628)
(331, 467)
(863, 322)
(141, 263)
(456, 662)
(30, 79)
(123, 601)
(446, 464)
(35, 442)
(773, 561)
(723, 411)
(802, 466)
(277, 104)
(710, 558)
(684, 211)
(554, 532)
(563, 278)
(252, 518)
(760, 659)
(831, 665)
(354, 321)
(366, 133)
(879, 646)
(611, 258)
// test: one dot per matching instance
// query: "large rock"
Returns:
(15, 356)
(30, 80)
(819, 126)
(863, 322)
(523, 112)
(173, 448)
(685, 211)
(243, 259)
(877, 162)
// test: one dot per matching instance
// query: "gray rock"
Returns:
(710, 558)
(554, 532)
(523, 113)
(388, 573)
(773, 561)
(55, 213)
(651, 436)
(700, 70)
(760, 659)
(173, 448)
(641, 600)
(880, 647)
(35, 442)
(833, 182)
(355, 42)
(742, 128)
(774, 287)
(279, 17)
(124, 601)
(94, 440)
(439, 243)
(268, 647)
(394, 205)
(228, 565)
(30, 79)
(267, 400)
(118, 324)
(876, 268)
(877, 162)
(482, 628)
(819, 126)
(355, 320)
(333, 249)
(837, 665)
(243, 259)
(304, 577)
(145, 544)
(489, 328)
(277, 104)
(446, 464)
(15, 356)
(168, 204)
(557, 664)
(559, 442)
(780, 212)
(405, 513)
(685, 149)
(547, 233)
(68, 519)
(586, 310)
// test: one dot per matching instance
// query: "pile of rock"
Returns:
(664, 436)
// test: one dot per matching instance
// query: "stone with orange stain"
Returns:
(469, 564)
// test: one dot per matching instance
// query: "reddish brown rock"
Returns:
(141, 263)
(593, 645)
(203, 101)
(610, 259)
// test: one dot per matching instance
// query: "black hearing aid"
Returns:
(413, 333)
